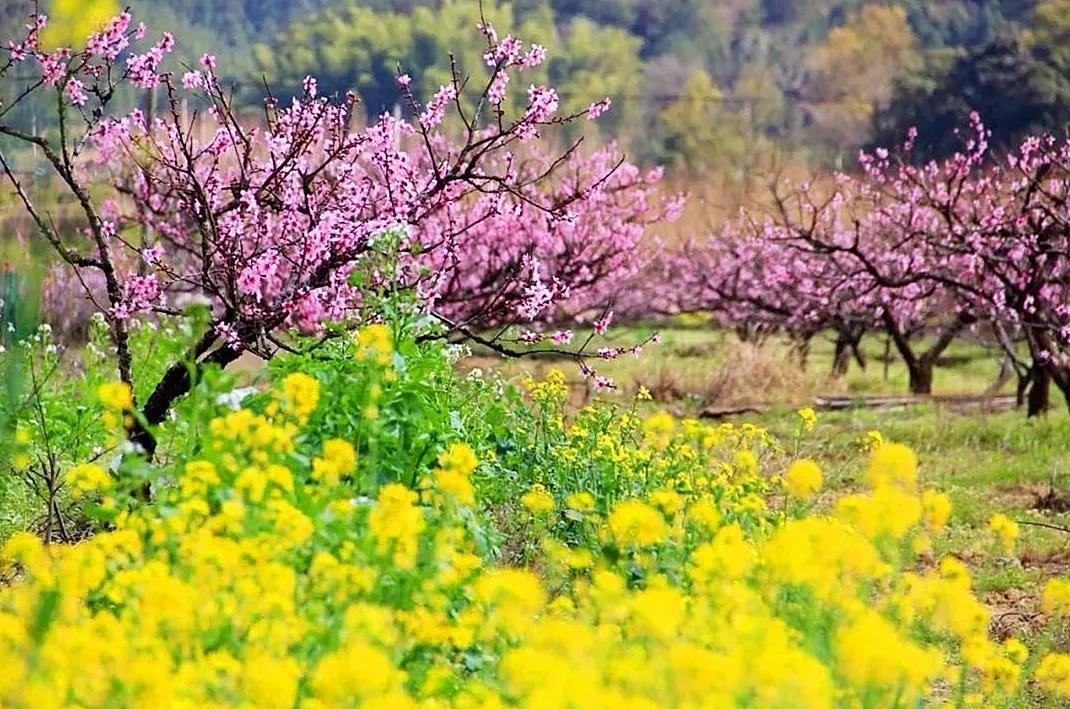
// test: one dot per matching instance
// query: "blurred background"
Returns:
(715, 89)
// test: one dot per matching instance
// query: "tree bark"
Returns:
(920, 366)
(920, 373)
(1024, 380)
(841, 358)
(801, 348)
(1039, 400)
(176, 382)
(1061, 376)
(856, 351)
(1006, 372)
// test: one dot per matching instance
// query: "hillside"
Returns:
(704, 86)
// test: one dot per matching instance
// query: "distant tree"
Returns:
(1013, 82)
(593, 60)
(356, 48)
(701, 131)
(917, 102)
(854, 71)
(618, 13)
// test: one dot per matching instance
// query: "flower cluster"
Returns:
(257, 578)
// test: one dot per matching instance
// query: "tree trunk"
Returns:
(176, 382)
(856, 350)
(1006, 371)
(1061, 376)
(841, 358)
(1039, 400)
(920, 371)
(1024, 380)
(801, 349)
(920, 367)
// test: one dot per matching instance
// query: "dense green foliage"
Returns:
(706, 86)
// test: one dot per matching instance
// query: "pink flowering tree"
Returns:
(757, 280)
(294, 222)
(549, 268)
(935, 249)
(988, 236)
(850, 256)
(877, 266)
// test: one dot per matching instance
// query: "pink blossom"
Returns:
(598, 108)
(536, 56)
(112, 40)
(435, 111)
(498, 86)
(601, 325)
(54, 65)
(193, 81)
(143, 68)
(542, 103)
(75, 92)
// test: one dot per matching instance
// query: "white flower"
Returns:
(233, 399)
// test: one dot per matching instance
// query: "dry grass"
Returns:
(735, 374)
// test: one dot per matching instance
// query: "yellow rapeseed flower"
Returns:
(537, 500)
(455, 485)
(936, 509)
(659, 429)
(300, 394)
(1056, 598)
(1005, 529)
(395, 522)
(458, 457)
(582, 501)
(86, 479)
(808, 417)
(551, 391)
(892, 464)
(339, 459)
(635, 523)
(871, 440)
(116, 395)
(803, 478)
(1053, 673)
(72, 21)
(374, 343)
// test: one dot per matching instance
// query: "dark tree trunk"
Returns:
(1061, 377)
(1039, 400)
(920, 372)
(856, 351)
(1024, 380)
(920, 366)
(176, 382)
(841, 358)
